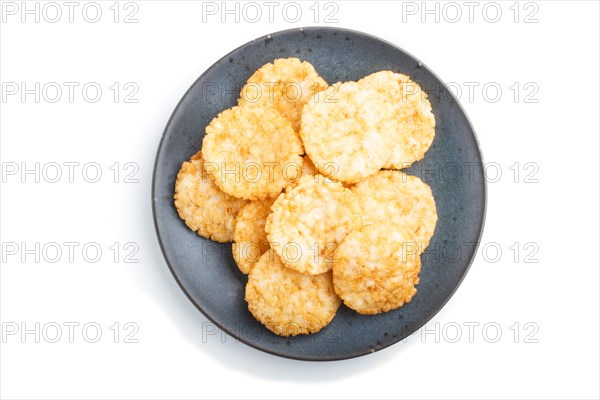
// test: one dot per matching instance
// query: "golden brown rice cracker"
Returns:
(415, 121)
(285, 85)
(309, 221)
(400, 198)
(377, 268)
(202, 205)
(250, 238)
(287, 302)
(348, 131)
(252, 151)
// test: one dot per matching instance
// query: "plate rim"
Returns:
(222, 326)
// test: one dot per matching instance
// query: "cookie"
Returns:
(376, 268)
(287, 302)
(250, 151)
(348, 131)
(286, 85)
(203, 207)
(309, 221)
(400, 198)
(415, 123)
(250, 238)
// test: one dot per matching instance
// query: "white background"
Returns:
(552, 304)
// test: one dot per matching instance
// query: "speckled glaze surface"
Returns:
(206, 271)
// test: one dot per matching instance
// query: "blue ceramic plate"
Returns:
(206, 271)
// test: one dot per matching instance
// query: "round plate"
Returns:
(453, 167)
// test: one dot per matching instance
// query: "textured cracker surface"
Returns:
(249, 150)
(286, 85)
(287, 302)
(376, 268)
(348, 131)
(309, 221)
(202, 205)
(400, 198)
(250, 238)
(415, 123)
